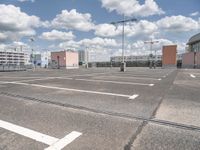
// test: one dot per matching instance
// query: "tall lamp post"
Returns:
(151, 55)
(123, 64)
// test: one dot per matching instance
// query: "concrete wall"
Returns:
(72, 60)
(188, 60)
(169, 56)
(198, 59)
(59, 58)
(66, 59)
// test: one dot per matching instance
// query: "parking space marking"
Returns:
(116, 82)
(69, 89)
(133, 96)
(143, 78)
(49, 78)
(7, 77)
(54, 143)
(41, 79)
(60, 144)
(46, 139)
(192, 76)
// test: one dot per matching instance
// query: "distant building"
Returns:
(41, 59)
(83, 57)
(194, 43)
(169, 58)
(65, 59)
(191, 59)
(12, 57)
(133, 58)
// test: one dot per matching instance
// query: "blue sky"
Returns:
(80, 24)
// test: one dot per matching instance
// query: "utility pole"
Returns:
(151, 55)
(123, 64)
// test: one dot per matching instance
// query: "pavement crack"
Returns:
(114, 114)
(163, 97)
(135, 135)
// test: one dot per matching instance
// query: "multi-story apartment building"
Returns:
(12, 58)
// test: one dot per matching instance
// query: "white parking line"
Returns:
(60, 144)
(19, 77)
(54, 143)
(43, 138)
(75, 90)
(193, 76)
(130, 83)
(41, 79)
(49, 78)
(143, 78)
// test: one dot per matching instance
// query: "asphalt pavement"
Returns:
(100, 109)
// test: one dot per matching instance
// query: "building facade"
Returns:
(169, 54)
(194, 43)
(83, 57)
(191, 59)
(134, 58)
(65, 59)
(12, 58)
(41, 59)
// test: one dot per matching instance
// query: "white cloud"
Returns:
(26, 1)
(194, 14)
(94, 42)
(73, 20)
(15, 24)
(70, 45)
(57, 35)
(178, 24)
(97, 41)
(107, 30)
(132, 7)
(143, 28)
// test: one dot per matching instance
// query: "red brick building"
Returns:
(169, 56)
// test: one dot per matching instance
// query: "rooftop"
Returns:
(194, 39)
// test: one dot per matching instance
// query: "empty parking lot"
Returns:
(100, 109)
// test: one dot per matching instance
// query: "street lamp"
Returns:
(123, 64)
(151, 55)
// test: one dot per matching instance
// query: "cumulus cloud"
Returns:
(94, 42)
(15, 24)
(132, 7)
(97, 41)
(107, 30)
(26, 1)
(143, 28)
(73, 20)
(177, 24)
(57, 35)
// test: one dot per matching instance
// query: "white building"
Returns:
(41, 59)
(83, 56)
(12, 57)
